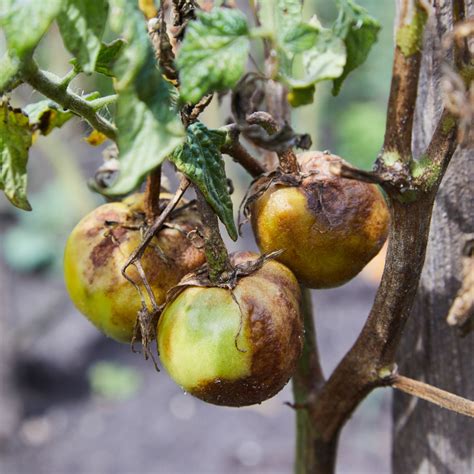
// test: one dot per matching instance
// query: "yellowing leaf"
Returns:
(148, 8)
(95, 138)
(15, 141)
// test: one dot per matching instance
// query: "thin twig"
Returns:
(50, 86)
(138, 252)
(434, 395)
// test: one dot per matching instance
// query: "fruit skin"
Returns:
(329, 227)
(96, 251)
(230, 356)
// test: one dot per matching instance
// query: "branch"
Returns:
(234, 148)
(51, 87)
(434, 395)
(405, 75)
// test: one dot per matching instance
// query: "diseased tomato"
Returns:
(234, 349)
(329, 227)
(100, 245)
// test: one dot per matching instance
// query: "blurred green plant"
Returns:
(37, 240)
(113, 381)
(360, 132)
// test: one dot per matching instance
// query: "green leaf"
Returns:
(279, 16)
(359, 31)
(199, 158)
(82, 24)
(15, 141)
(214, 53)
(108, 55)
(326, 60)
(9, 73)
(46, 115)
(26, 22)
(148, 127)
(299, 38)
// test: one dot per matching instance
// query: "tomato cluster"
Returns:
(235, 343)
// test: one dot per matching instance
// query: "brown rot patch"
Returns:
(105, 248)
(236, 393)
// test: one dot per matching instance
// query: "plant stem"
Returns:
(234, 148)
(152, 195)
(52, 87)
(307, 381)
(214, 247)
(404, 88)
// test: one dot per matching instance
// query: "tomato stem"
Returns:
(216, 252)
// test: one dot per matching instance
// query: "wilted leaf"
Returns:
(25, 23)
(46, 115)
(82, 24)
(15, 140)
(213, 54)
(148, 127)
(359, 31)
(199, 158)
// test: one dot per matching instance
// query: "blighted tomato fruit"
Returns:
(328, 226)
(234, 349)
(100, 245)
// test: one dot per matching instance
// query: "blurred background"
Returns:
(74, 402)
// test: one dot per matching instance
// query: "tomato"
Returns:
(100, 245)
(234, 348)
(329, 227)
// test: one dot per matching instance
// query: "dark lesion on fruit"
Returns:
(103, 251)
(270, 370)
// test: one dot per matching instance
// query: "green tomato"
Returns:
(234, 349)
(98, 248)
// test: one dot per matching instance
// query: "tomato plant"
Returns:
(230, 332)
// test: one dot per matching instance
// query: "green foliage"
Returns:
(108, 55)
(15, 141)
(37, 240)
(25, 23)
(325, 60)
(308, 53)
(9, 72)
(359, 31)
(82, 24)
(148, 127)
(45, 116)
(213, 54)
(360, 133)
(279, 17)
(199, 158)
(113, 381)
